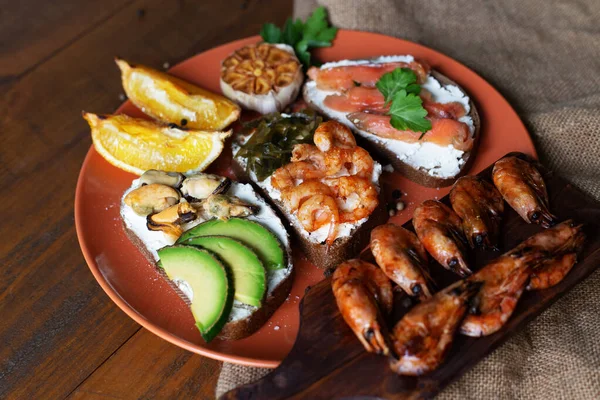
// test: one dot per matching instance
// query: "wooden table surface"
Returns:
(61, 335)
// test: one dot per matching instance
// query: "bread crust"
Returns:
(414, 174)
(323, 256)
(241, 328)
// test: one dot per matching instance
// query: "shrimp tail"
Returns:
(331, 236)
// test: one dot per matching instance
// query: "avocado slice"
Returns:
(208, 278)
(248, 272)
(250, 233)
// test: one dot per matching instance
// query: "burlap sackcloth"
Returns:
(544, 57)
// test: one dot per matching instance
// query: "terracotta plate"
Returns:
(135, 286)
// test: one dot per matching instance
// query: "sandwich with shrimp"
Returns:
(417, 119)
(320, 180)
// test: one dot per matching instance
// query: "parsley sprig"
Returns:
(302, 36)
(401, 91)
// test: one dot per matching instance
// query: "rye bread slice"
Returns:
(417, 175)
(323, 256)
(240, 328)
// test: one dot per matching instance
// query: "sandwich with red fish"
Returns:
(420, 121)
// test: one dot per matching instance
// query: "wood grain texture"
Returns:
(36, 32)
(328, 362)
(160, 371)
(57, 327)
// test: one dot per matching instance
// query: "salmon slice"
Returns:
(453, 110)
(444, 131)
(358, 98)
(361, 98)
(349, 76)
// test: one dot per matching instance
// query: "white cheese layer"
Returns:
(155, 240)
(438, 161)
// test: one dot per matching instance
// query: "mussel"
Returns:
(223, 207)
(152, 198)
(169, 221)
(200, 186)
(172, 179)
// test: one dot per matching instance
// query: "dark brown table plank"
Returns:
(33, 32)
(169, 372)
(57, 327)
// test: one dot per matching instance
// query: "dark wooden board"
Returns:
(328, 362)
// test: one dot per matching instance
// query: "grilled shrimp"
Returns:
(503, 281)
(424, 335)
(310, 153)
(565, 237)
(333, 133)
(402, 257)
(480, 206)
(357, 161)
(359, 196)
(317, 211)
(562, 242)
(286, 176)
(523, 188)
(440, 231)
(505, 278)
(364, 295)
(294, 196)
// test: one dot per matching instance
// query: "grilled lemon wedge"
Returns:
(174, 100)
(137, 145)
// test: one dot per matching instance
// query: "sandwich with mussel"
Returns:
(220, 246)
